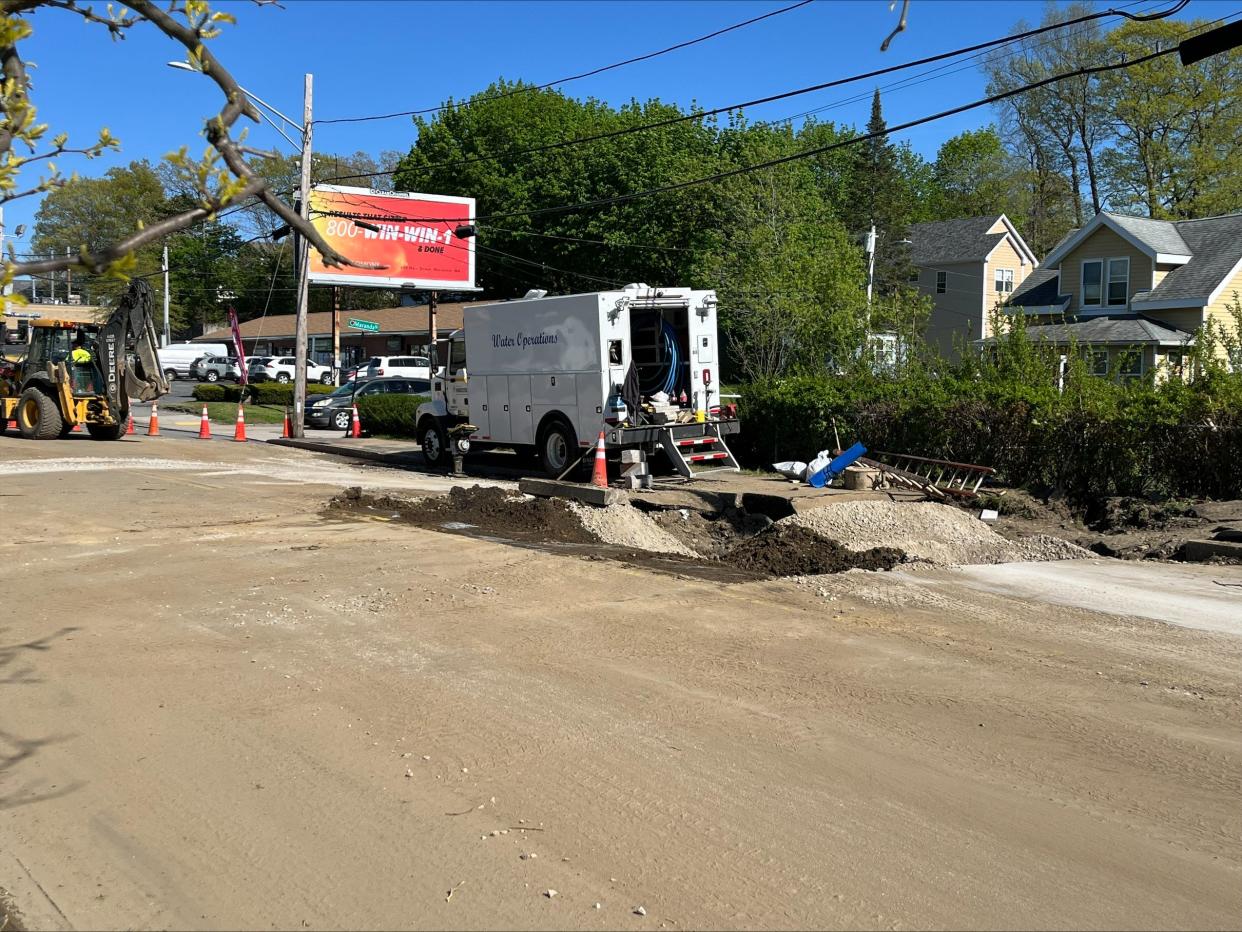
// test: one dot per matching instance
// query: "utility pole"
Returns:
(432, 336)
(303, 254)
(336, 334)
(166, 330)
(68, 278)
(871, 236)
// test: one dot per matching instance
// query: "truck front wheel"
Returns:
(558, 447)
(435, 443)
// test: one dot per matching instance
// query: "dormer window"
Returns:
(1105, 282)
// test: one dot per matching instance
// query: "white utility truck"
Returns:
(547, 374)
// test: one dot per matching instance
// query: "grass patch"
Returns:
(225, 412)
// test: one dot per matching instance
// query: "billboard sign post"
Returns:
(412, 235)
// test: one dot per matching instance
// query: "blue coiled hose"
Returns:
(667, 379)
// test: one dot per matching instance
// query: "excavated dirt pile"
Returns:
(491, 510)
(790, 550)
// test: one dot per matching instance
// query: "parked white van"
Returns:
(176, 358)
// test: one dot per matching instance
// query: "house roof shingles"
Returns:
(1215, 247)
(411, 320)
(947, 241)
(1039, 289)
(1161, 235)
(1114, 329)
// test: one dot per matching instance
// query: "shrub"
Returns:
(260, 393)
(215, 391)
(1097, 439)
(389, 414)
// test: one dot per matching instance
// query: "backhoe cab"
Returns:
(49, 394)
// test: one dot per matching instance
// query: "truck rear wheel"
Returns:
(558, 447)
(38, 415)
(435, 443)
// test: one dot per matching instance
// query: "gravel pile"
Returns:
(626, 526)
(927, 531)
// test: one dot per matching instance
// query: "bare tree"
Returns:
(222, 177)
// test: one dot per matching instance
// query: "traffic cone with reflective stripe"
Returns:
(129, 424)
(204, 426)
(153, 425)
(287, 430)
(355, 426)
(599, 475)
(239, 431)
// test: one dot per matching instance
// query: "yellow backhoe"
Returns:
(49, 394)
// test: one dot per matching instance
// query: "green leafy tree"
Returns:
(973, 176)
(491, 150)
(882, 194)
(92, 213)
(1177, 150)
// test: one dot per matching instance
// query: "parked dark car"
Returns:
(335, 410)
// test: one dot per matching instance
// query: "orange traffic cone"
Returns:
(287, 430)
(355, 426)
(77, 427)
(599, 475)
(239, 432)
(204, 426)
(153, 425)
(129, 425)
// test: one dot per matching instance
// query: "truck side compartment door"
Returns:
(497, 407)
(554, 393)
(521, 419)
(592, 395)
(478, 406)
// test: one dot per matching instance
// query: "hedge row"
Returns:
(389, 414)
(1096, 440)
(260, 393)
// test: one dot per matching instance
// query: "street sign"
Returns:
(369, 326)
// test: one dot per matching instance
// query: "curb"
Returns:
(374, 456)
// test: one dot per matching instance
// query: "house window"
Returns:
(1131, 366)
(1118, 281)
(914, 276)
(1099, 362)
(1105, 282)
(1092, 275)
(942, 282)
(1004, 281)
(1176, 362)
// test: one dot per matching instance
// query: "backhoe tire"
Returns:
(38, 415)
(106, 431)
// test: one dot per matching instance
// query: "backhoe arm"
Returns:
(131, 329)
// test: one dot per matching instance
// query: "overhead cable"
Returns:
(585, 74)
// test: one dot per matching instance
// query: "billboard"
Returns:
(418, 253)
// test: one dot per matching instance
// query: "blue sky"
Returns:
(377, 57)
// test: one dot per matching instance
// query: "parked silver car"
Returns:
(215, 368)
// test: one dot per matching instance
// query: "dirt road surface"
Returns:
(220, 709)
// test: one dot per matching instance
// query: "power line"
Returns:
(700, 114)
(805, 153)
(576, 77)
